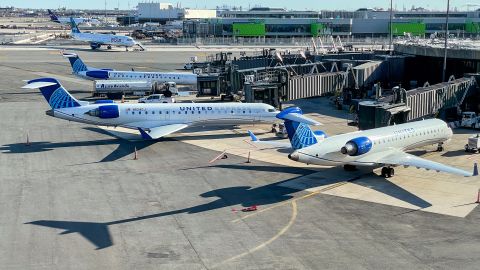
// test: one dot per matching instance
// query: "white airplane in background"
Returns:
(80, 69)
(384, 146)
(154, 120)
(97, 40)
(66, 20)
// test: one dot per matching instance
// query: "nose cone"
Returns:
(294, 156)
(449, 133)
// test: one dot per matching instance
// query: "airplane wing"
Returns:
(160, 131)
(397, 157)
(269, 144)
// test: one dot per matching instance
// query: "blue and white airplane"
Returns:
(375, 147)
(66, 20)
(154, 120)
(97, 40)
(80, 69)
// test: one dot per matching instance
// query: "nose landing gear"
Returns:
(440, 147)
(388, 172)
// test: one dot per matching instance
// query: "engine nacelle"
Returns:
(357, 146)
(105, 112)
(97, 74)
(320, 133)
(104, 101)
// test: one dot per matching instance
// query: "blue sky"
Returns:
(289, 4)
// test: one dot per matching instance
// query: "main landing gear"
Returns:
(388, 172)
(440, 147)
(349, 168)
(109, 47)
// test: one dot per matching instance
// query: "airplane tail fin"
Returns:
(74, 26)
(298, 129)
(53, 17)
(77, 64)
(56, 96)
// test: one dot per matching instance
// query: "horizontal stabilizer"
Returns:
(38, 85)
(295, 114)
(269, 144)
(296, 117)
(69, 54)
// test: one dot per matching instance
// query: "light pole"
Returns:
(391, 18)
(446, 43)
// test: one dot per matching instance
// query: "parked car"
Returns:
(156, 98)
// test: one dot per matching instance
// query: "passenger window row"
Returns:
(185, 112)
(397, 137)
(147, 76)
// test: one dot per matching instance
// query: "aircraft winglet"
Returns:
(252, 136)
(144, 134)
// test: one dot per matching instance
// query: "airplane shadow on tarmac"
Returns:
(99, 235)
(125, 145)
(124, 148)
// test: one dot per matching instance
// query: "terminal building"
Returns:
(276, 23)
(155, 12)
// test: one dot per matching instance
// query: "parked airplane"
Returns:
(375, 147)
(66, 20)
(79, 68)
(153, 120)
(97, 40)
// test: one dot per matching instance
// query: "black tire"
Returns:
(391, 172)
(384, 172)
(349, 168)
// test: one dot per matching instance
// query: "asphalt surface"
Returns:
(74, 198)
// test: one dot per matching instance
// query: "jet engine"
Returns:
(105, 112)
(98, 74)
(357, 146)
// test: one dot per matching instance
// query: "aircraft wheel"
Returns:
(440, 148)
(109, 47)
(391, 172)
(384, 172)
(349, 168)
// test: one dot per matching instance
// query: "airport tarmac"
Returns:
(74, 198)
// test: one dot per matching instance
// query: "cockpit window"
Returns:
(271, 110)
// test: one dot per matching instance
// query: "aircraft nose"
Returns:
(294, 156)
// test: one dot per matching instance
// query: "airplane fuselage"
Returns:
(81, 20)
(181, 78)
(403, 137)
(153, 115)
(105, 39)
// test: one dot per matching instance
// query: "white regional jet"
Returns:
(375, 147)
(80, 69)
(97, 40)
(66, 20)
(153, 120)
